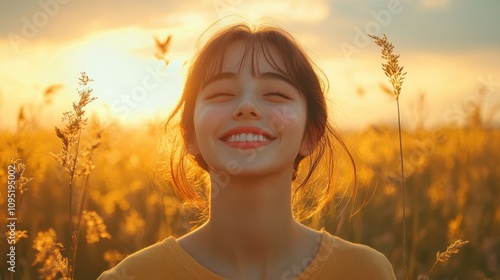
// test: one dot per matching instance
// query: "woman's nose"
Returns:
(247, 110)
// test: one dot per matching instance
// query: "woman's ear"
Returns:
(193, 148)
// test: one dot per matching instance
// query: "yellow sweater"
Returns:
(335, 259)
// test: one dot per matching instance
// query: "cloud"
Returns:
(68, 20)
(294, 11)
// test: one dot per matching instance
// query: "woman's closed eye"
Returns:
(220, 96)
(277, 96)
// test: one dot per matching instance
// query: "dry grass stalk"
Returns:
(70, 134)
(86, 167)
(75, 162)
(446, 255)
(396, 76)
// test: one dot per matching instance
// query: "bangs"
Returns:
(256, 47)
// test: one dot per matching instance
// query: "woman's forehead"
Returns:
(254, 57)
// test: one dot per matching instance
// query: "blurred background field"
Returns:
(452, 183)
(451, 134)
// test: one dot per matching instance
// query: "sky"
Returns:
(450, 49)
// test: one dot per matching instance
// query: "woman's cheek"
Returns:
(284, 117)
(207, 119)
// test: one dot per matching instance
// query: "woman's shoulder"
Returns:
(352, 260)
(341, 245)
(147, 263)
(163, 260)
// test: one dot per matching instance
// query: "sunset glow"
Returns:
(41, 46)
(92, 171)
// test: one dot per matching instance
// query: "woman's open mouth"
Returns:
(247, 138)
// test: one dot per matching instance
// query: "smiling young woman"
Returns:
(253, 111)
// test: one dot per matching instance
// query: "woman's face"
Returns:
(249, 125)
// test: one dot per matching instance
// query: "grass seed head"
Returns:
(391, 69)
(96, 229)
(21, 181)
(75, 122)
(49, 255)
(452, 249)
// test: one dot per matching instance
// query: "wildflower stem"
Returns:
(72, 254)
(82, 202)
(403, 187)
(429, 272)
(78, 225)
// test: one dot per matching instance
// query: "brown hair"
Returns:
(319, 168)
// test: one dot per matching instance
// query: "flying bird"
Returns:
(162, 47)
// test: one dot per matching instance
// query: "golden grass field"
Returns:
(452, 177)
(452, 193)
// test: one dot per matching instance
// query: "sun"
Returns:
(130, 85)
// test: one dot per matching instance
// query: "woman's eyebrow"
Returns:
(275, 76)
(234, 76)
(221, 76)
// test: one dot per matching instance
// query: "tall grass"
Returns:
(396, 76)
(76, 160)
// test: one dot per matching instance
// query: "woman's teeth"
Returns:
(247, 137)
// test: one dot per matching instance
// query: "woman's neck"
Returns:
(251, 217)
(251, 233)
